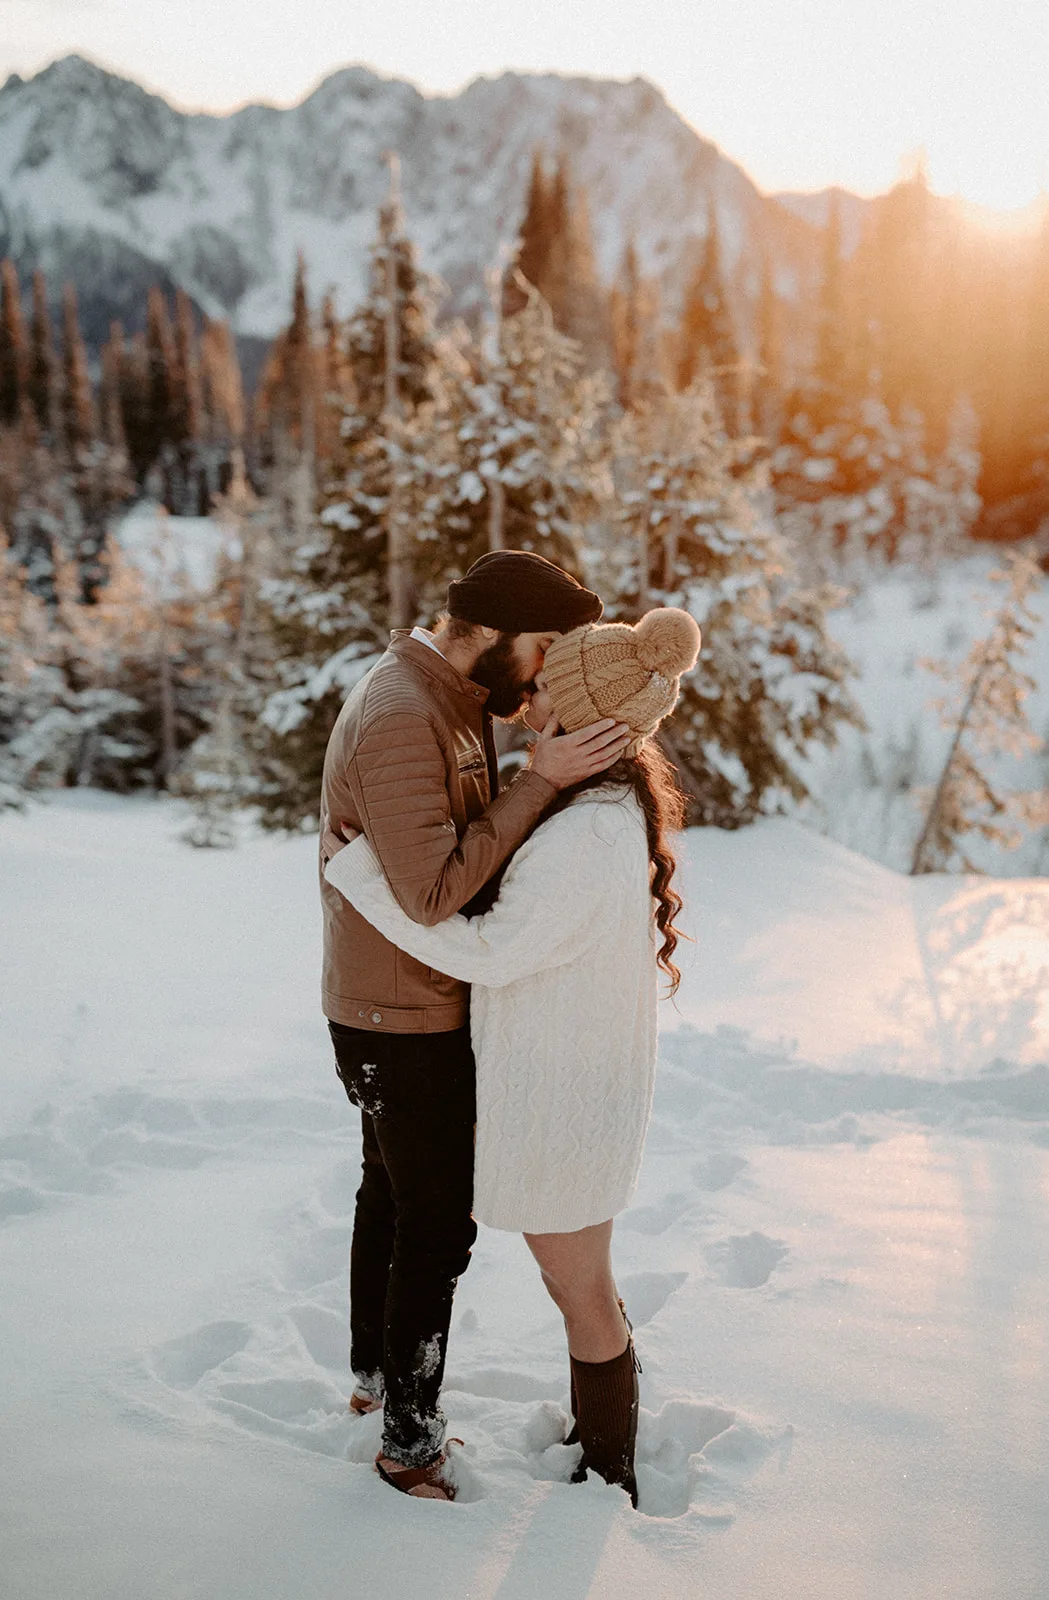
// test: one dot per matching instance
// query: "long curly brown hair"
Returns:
(651, 778)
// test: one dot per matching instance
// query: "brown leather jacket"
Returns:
(411, 763)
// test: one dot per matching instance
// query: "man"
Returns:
(411, 763)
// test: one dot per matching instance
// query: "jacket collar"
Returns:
(405, 648)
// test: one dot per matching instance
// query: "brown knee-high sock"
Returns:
(606, 1416)
(572, 1437)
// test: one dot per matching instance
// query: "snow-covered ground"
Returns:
(837, 1262)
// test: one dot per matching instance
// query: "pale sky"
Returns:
(802, 93)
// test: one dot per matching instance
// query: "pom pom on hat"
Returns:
(668, 641)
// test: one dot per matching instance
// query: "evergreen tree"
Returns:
(770, 682)
(64, 716)
(43, 365)
(14, 349)
(228, 766)
(991, 719)
(158, 426)
(639, 356)
(130, 361)
(327, 607)
(863, 486)
(78, 423)
(940, 502)
(222, 408)
(556, 257)
(517, 427)
(38, 506)
(707, 346)
(534, 238)
(28, 688)
(111, 413)
(335, 381)
(186, 415)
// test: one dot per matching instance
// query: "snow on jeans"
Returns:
(412, 1229)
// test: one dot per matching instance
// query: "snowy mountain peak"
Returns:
(97, 176)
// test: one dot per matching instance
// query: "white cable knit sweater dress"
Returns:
(562, 1011)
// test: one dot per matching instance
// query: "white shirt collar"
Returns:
(426, 638)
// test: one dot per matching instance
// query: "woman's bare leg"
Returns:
(577, 1272)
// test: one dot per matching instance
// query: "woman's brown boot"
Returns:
(606, 1407)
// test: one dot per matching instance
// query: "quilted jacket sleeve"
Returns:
(399, 783)
(553, 906)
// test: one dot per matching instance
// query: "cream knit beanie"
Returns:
(613, 670)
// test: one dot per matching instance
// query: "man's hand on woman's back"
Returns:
(569, 758)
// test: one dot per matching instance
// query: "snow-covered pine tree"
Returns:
(38, 507)
(861, 487)
(989, 719)
(66, 716)
(940, 502)
(510, 451)
(226, 768)
(691, 532)
(29, 686)
(328, 604)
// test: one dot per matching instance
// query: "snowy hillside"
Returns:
(866, 790)
(100, 178)
(837, 1260)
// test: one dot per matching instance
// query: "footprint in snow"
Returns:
(692, 1457)
(646, 1293)
(324, 1335)
(746, 1261)
(184, 1361)
(655, 1219)
(90, 1146)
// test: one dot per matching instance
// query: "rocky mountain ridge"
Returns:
(108, 184)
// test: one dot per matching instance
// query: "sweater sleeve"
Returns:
(549, 908)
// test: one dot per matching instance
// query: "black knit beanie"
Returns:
(517, 591)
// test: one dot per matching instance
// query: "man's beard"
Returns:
(496, 670)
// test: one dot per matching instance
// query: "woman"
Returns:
(563, 1020)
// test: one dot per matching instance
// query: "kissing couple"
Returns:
(490, 979)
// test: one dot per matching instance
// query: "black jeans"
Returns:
(412, 1228)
